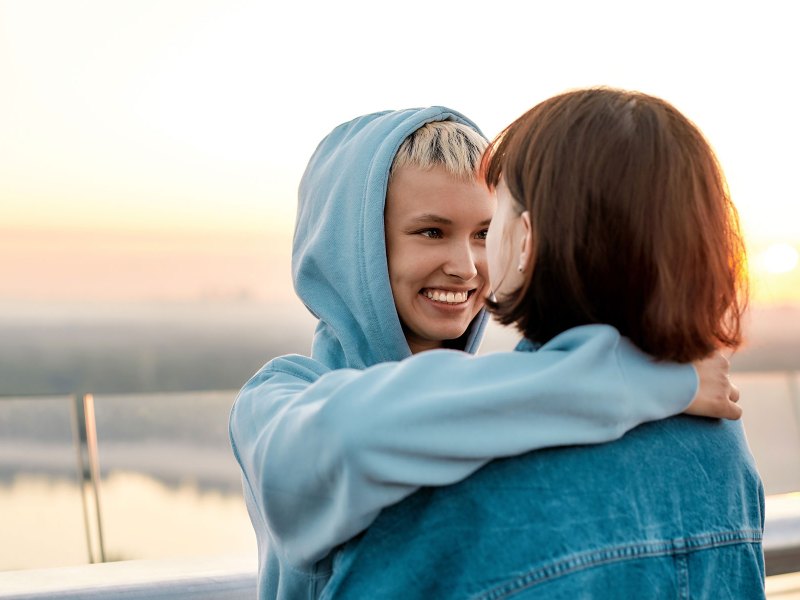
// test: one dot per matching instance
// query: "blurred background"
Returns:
(150, 153)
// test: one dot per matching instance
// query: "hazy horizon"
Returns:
(169, 170)
(75, 347)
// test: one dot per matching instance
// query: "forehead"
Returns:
(413, 191)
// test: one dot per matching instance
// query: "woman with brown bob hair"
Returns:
(630, 224)
(611, 210)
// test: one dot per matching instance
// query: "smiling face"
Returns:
(436, 227)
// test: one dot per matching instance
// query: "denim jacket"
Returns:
(674, 509)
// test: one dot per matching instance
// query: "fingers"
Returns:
(734, 412)
(719, 362)
(734, 395)
(716, 396)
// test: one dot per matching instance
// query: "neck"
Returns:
(421, 345)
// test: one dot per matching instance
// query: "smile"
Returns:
(446, 296)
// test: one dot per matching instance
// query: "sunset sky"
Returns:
(151, 149)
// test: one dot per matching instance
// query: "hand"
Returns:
(716, 396)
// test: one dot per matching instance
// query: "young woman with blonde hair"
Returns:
(390, 255)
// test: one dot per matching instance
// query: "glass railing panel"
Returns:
(170, 485)
(772, 427)
(41, 512)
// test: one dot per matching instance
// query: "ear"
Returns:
(526, 241)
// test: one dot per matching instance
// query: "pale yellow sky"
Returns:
(182, 120)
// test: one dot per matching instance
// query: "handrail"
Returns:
(84, 430)
(208, 578)
(781, 536)
(218, 578)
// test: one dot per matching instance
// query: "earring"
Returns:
(519, 268)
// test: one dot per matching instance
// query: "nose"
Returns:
(461, 261)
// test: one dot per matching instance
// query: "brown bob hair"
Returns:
(632, 224)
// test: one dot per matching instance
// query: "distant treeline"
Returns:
(209, 352)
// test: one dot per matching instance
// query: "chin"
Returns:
(450, 333)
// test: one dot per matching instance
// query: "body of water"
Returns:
(170, 486)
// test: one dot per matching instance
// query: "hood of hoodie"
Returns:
(339, 262)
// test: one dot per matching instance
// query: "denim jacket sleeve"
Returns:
(322, 452)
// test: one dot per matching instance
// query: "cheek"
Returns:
(398, 251)
(408, 265)
(398, 273)
(481, 257)
(493, 257)
(491, 247)
(500, 265)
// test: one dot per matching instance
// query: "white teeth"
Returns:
(448, 297)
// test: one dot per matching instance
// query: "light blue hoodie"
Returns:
(326, 442)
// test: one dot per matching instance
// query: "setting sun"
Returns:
(779, 258)
(203, 131)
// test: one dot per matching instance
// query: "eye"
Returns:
(481, 235)
(431, 232)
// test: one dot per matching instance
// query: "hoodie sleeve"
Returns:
(323, 452)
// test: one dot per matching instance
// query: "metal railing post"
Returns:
(85, 436)
(794, 394)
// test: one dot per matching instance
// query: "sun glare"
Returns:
(779, 258)
(196, 119)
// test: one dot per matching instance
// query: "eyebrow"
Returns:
(432, 218)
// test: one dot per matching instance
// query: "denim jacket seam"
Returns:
(586, 560)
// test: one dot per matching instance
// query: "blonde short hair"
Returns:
(454, 146)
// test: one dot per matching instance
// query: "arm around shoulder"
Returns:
(324, 451)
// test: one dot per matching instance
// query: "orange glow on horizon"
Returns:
(114, 266)
(117, 266)
(169, 169)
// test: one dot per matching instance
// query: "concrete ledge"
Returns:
(783, 587)
(207, 578)
(782, 534)
(234, 577)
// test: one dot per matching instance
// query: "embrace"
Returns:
(602, 458)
